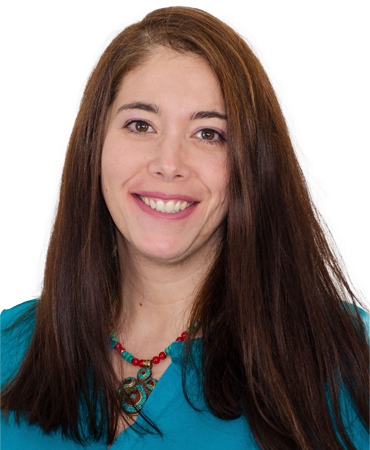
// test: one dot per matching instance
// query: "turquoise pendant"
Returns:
(138, 389)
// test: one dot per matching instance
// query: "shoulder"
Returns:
(17, 326)
(11, 315)
(351, 420)
(363, 314)
(366, 319)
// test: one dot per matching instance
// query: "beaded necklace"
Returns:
(141, 387)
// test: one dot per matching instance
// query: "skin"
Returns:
(166, 152)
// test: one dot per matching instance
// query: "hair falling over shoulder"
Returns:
(279, 345)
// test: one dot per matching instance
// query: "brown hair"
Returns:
(272, 306)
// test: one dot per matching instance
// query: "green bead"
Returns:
(124, 354)
(130, 358)
(168, 351)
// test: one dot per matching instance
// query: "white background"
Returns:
(316, 53)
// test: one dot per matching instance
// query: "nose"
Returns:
(171, 157)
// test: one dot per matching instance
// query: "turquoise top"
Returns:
(167, 407)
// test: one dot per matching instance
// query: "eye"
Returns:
(139, 127)
(209, 136)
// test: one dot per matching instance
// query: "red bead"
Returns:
(179, 339)
(184, 335)
(119, 347)
(135, 362)
(141, 362)
(156, 360)
(163, 355)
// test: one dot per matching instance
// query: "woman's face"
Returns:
(164, 171)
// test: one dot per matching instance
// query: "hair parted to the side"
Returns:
(273, 301)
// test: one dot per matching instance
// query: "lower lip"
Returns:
(160, 215)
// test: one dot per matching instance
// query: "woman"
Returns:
(184, 214)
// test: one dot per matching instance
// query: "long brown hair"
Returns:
(272, 306)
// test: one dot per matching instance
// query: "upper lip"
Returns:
(162, 196)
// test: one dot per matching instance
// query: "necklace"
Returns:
(141, 387)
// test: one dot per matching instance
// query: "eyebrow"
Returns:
(154, 109)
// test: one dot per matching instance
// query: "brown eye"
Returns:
(208, 134)
(141, 126)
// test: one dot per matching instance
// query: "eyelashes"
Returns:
(207, 136)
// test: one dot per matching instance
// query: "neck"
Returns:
(155, 306)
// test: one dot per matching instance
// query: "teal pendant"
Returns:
(138, 389)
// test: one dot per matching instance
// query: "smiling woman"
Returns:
(185, 231)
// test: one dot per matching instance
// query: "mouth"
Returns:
(165, 200)
(140, 198)
(177, 213)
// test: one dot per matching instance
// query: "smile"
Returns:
(167, 207)
(173, 211)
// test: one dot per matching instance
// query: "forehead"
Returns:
(167, 59)
(170, 79)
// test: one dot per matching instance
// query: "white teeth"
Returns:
(170, 207)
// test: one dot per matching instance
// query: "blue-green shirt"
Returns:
(181, 425)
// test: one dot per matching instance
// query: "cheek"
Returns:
(115, 168)
(112, 179)
(220, 189)
(108, 172)
(221, 197)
